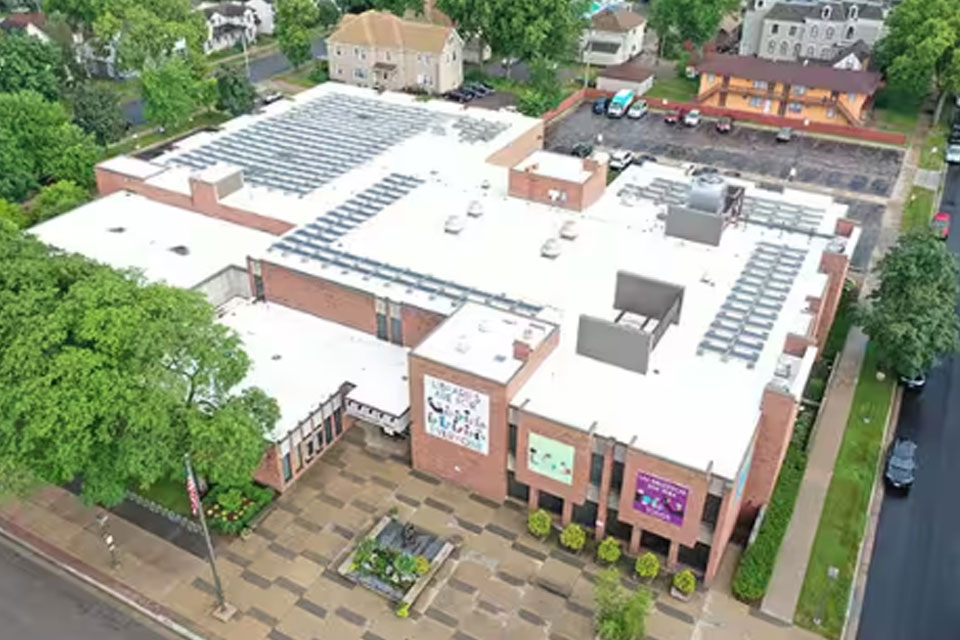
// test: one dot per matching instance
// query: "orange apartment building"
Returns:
(804, 91)
(631, 359)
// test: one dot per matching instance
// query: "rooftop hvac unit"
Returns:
(569, 230)
(707, 193)
(475, 210)
(550, 248)
(454, 225)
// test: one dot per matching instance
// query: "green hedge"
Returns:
(756, 564)
(255, 498)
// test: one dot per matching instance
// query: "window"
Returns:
(829, 33)
(850, 31)
(775, 29)
(796, 50)
(381, 308)
(338, 420)
(396, 324)
(811, 51)
(287, 470)
(454, 56)
(783, 48)
(512, 438)
(814, 31)
(339, 71)
(851, 97)
(759, 84)
(756, 101)
(596, 469)
(356, 52)
(338, 51)
(795, 107)
(311, 447)
(616, 477)
(328, 429)
(359, 73)
(711, 509)
(799, 89)
(793, 31)
(825, 52)
(771, 46)
(387, 55)
(831, 112)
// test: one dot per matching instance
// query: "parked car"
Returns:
(458, 95)
(645, 157)
(785, 134)
(901, 464)
(620, 103)
(673, 116)
(732, 173)
(702, 171)
(941, 225)
(270, 98)
(915, 382)
(952, 156)
(582, 150)
(621, 159)
(600, 106)
(724, 125)
(637, 110)
(478, 90)
(691, 118)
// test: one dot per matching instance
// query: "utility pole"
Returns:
(224, 611)
(246, 56)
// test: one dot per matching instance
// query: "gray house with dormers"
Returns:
(794, 30)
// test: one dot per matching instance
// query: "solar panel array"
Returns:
(766, 211)
(741, 327)
(312, 144)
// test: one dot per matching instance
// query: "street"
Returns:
(261, 69)
(911, 584)
(38, 604)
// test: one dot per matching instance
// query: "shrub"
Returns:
(539, 523)
(685, 582)
(232, 521)
(573, 537)
(320, 73)
(423, 565)
(57, 198)
(647, 566)
(231, 499)
(620, 614)
(609, 550)
(406, 565)
(815, 389)
(403, 610)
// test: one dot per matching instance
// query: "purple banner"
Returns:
(660, 498)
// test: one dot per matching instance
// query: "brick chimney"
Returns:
(521, 350)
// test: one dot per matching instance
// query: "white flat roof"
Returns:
(127, 230)
(301, 360)
(479, 339)
(692, 406)
(130, 166)
(554, 165)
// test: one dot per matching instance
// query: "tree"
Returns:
(235, 93)
(921, 48)
(113, 380)
(910, 316)
(327, 13)
(96, 110)
(661, 19)
(695, 21)
(57, 198)
(172, 92)
(28, 63)
(619, 613)
(531, 29)
(39, 144)
(472, 17)
(12, 214)
(294, 19)
(399, 7)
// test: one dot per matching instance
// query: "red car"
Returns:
(673, 116)
(941, 225)
(725, 125)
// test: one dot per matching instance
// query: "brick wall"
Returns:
(836, 265)
(726, 520)
(531, 185)
(269, 473)
(417, 324)
(581, 441)
(778, 414)
(519, 148)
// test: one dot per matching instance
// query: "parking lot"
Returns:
(851, 167)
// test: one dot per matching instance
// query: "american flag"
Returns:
(194, 494)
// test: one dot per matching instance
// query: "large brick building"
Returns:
(630, 358)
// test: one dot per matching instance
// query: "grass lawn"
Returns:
(918, 209)
(171, 494)
(841, 527)
(143, 139)
(302, 77)
(894, 112)
(931, 155)
(674, 88)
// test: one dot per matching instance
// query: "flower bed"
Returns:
(230, 510)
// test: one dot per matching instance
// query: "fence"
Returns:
(160, 510)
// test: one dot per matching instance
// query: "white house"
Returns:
(264, 10)
(614, 36)
(229, 23)
(30, 24)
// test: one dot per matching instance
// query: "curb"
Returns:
(95, 578)
(851, 622)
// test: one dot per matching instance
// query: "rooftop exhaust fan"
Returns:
(454, 225)
(550, 248)
(569, 230)
(475, 210)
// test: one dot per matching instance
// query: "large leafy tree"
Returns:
(235, 92)
(173, 91)
(28, 63)
(39, 144)
(921, 48)
(472, 17)
(57, 198)
(294, 19)
(96, 110)
(113, 380)
(910, 317)
(695, 21)
(620, 613)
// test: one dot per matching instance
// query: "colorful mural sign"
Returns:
(457, 414)
(550, 458)
(660, 498)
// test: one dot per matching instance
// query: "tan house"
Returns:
(378, 49)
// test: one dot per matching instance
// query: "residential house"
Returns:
(378, 49)
(265, 12)
(803, 29)
(629, 75)
(473, 48)
(229, 24)
(615, 35)
(31, 24)
(801, 90)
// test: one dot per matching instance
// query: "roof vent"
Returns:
(117, 229)
(483, 327)
(485, 185)
(276, 356)
(783, 370)
(462, 345)
(550, 248)
(475, 210)
(454, 225)
(180, 250)
(569, 230)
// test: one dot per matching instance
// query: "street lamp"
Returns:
(832, 574)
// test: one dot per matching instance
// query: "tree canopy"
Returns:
(921, 48)
(910, 317)
(620, 614)
(57, 198)
(39, 144)
(294, 19)
(695, 21)
(96, 110)
(235, 93)
(28, 63)
(111, 379)
(173, 91)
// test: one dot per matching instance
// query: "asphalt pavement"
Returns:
(261, 68)
(912, 581)
(38, 604)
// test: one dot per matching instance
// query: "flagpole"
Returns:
(198, 508)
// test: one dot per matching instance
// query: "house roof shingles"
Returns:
(616, 20)
(628, 70)
(796, 73)
(801, 11)
(19, 21)
(380, 29)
